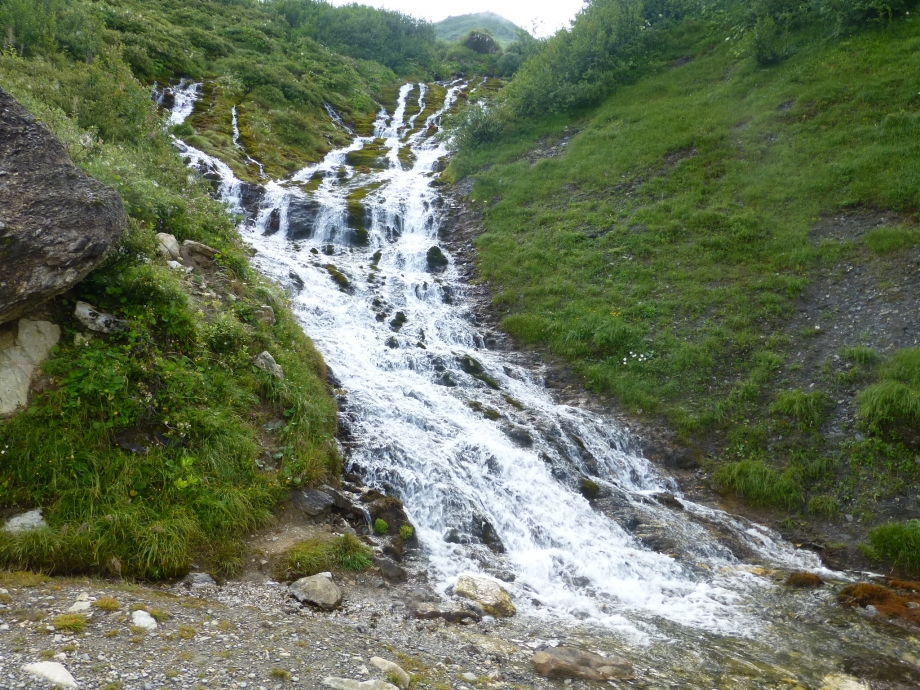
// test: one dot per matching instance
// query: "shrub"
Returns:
(381, 526)
(760, 484)
(406, 532)
(898, 543)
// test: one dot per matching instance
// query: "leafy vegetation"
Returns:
(142, 449)
(650, 182)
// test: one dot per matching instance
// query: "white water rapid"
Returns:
(487, 464)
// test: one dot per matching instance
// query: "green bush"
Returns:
(381, 526)
(898, 543)
(406, 532)
(761, 485)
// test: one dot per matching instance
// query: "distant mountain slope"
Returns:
(503, 30)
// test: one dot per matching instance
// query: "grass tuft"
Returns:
(70, 622)
(860, 355)
(319, 555)
(106, 604)
(898, 543)
(807, 409)
(761, 485)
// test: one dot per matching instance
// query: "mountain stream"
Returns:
(487, 465)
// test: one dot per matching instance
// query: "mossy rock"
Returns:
(437, 261)
(398, 321)
(338, 277)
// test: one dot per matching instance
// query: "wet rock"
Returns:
(51, 672)
(348, 684)
(301, 217)
(251, 196)
(668, 500)
(317, 590)
(393, 671)
(198, 254)
(24, 522)
(312, 501)
(296, 281)
(391, 571)
(390, 510)
(273, 224)
(24, 345)
(168, 246)
(267, 363)
(842, 681)
(264, 314)
(398, 321)
(144, 620)
(568, 662)
(486, 592)
(56, 223)
(436, 260)
(589, 488)
(96, 320)
(485, 533)
(518, 435)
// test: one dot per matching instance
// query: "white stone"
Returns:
(53, 672)
(25, 522)
(79, 607)
(348, 684)
(168, 246)
(144, 620)
(469, 677)
(317, 590)
(22, 349)
(842, 681)
(393, 671)
(96, 320)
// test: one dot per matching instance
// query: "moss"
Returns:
(804, 580)
(887, 602)
(589, 488)
(436, 259)
(338, 277)
(381, 526)
(372, 155)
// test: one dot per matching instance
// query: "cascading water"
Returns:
(486, 463)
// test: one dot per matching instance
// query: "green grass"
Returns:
(887, 240)
(323, 554)
(806, 408)
(760, 484)
(895, 399)
(177, 385)
(70, 622)
(898, 543)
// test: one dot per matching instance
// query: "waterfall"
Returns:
(487, 464)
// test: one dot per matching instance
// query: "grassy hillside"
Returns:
(161, 444)
(504, 32)
(725, 243)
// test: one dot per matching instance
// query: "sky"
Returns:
(540, 17)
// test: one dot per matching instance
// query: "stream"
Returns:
(489, 467)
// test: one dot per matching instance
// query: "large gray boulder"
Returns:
(486, 592)
(317, 590)
(56, 223)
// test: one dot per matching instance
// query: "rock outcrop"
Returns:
(56, 223)
(23, 346)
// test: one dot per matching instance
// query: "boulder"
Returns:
(144, 620)
(52, 672)
(486, 592)
(25, 522)
(96, 320)
(23, 346)
(348, 684)
(842, 681)
(428, 611)
(56, 223)
(197, 254)
(568, 662)
(264, 314)
(267, 363)
(168, 246)
(312, 501)
(393, 671)
(317, 590)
